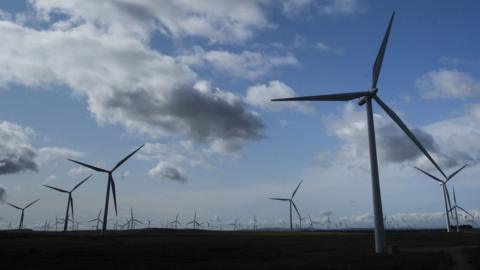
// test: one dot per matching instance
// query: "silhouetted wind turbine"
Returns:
(194, 221)
(20, 225)
(98, 220)
(132, 221)
(291, 203)
(455, 207)
(70, 199)
(312, 222)
(110, 184)
(175, 222)
(446, 196)
(366, 98)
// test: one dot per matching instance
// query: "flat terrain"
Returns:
(188, 249)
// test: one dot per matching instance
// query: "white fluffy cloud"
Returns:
(340, 7)
(260, 95)
(222, 21)
(16, 153)
(445, 83)
(129, 83)
(246, 64)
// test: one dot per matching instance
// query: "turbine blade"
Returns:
(381, 53)
(92, 220)
(466, 212)
(434, 178)
(448, 197)
(30, 204)
(279, 199)
(329, 97)
(407, 131)
(136, 220)
(12, 205)
(83, 181)
(457, 171)
(114, 193)
(57, 189)
(89, 166)
(295, 191)
(127, 157)
(454, 197)
(296, 210)
(189, 223)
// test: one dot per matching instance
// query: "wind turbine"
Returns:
(194, 221)
(175, 223)
(446, 196)
(291, 203)
(110, 184)
(98, 220)
(131, 222)
(255, 223)
(366, 98)
(20, 225)
(234, 224)
(455, 207)
(70, 199)
(312, 222)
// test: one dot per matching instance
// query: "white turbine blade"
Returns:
(279, 199)
(407, 131)
(433, 177)
(89, 166)
(83, 181)
(457, 171)
(295, 191)
(296, 210)
(55, 188)
(127, 157)
(381, 53)
(30, 204)
(12, 205)
(329, 97)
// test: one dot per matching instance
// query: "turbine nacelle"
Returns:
(363, 100)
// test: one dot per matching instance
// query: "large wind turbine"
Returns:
(20, 225)
(366, 98)
(110, 184)
(69, 201)
(446, 196)
(291, 203)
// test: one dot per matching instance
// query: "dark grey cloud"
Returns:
(168, 171)
(20, 161)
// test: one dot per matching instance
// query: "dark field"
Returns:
(187, 249)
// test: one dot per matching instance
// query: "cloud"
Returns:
(246, 64)
(218, 21)
(340, 7)
(130, 84)
(46, 154)
(260, 95)
(445, 83)
(322, 46)
(3, 195)
(167, 171)
(293, 8)
(16, 153)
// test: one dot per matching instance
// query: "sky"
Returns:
(192, 80)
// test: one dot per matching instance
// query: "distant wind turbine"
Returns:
(131, 222)
(291, 203)
(446, 196)
(455, 207)
(312, 222)
(195, 223)
(175, 222)
(366, 98)
(98, 220)
(20, 225)
(69, 201)
(110, 184)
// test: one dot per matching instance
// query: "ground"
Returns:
(189, 249)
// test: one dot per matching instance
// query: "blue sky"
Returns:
(192, 80)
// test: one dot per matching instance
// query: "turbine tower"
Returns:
(69, 201)
(175, 222)
(98, 220)
(291, 203)
(366, 97)
(110, 184)
(446, 196)
(20, 225)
